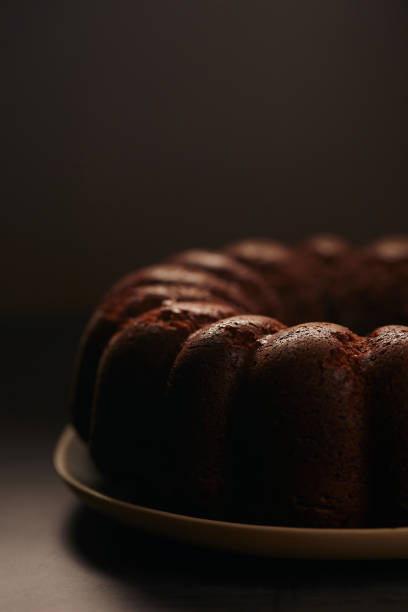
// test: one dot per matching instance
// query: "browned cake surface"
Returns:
(256, 289)
(372, 285)
(386, 370)
(204, 384)
(125, 426)
(112, 314)
(306, 430)
(290, 275)
(171, 274)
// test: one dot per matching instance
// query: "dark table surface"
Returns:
(56, 556)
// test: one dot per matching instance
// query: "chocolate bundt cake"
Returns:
(203, 388)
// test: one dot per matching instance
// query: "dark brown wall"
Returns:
(136, 128)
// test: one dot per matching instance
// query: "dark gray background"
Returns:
(133, 129)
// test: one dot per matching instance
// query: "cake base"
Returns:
(75, 467)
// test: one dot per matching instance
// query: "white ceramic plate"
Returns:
(74, 465)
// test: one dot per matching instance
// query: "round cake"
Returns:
(260, 383)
